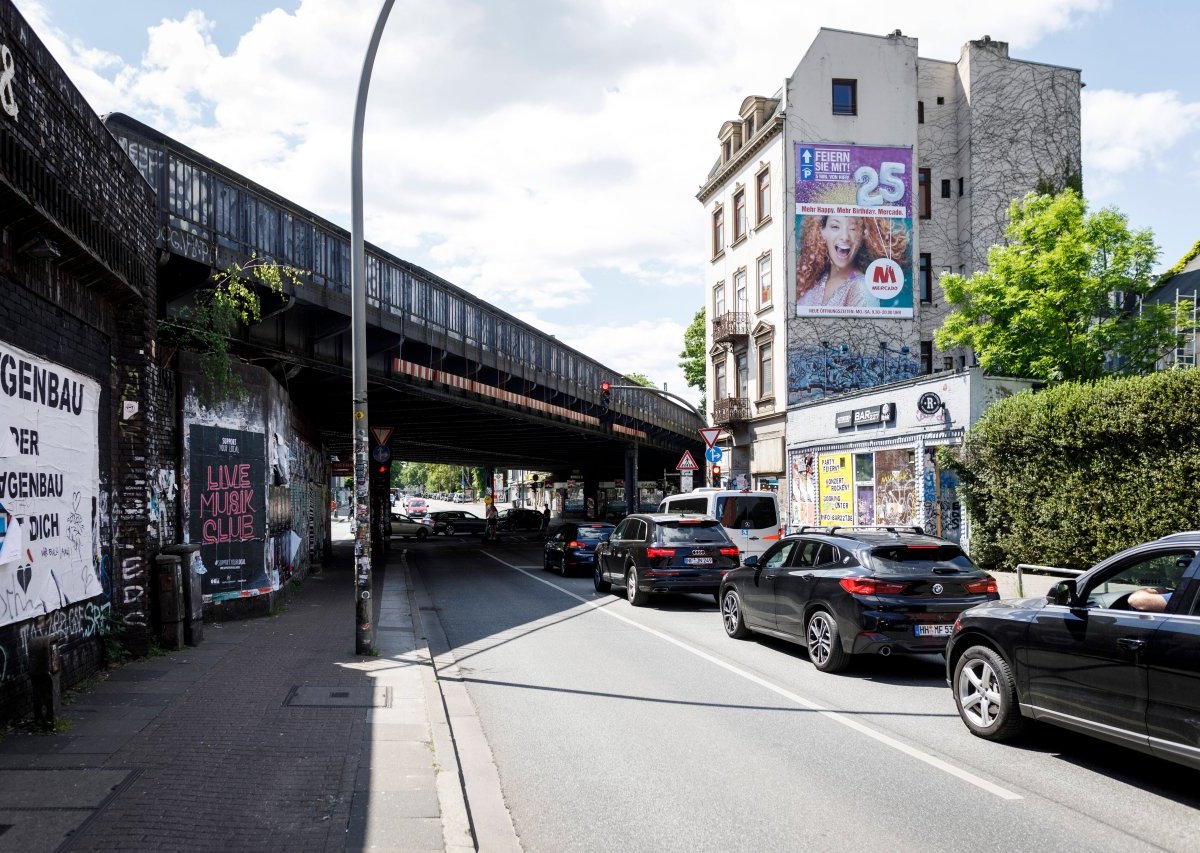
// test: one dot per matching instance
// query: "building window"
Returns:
(845, 97)
(925, 274)
(749, 128)
(766, 369)
(741, 300)
(920, 112)
(719, 380)
(948, 362)
(962, 362)
(927, 356)
(718, 231)
(764, 281)
(923, 179)
(739, 215)
(945, 188)
(960, 187)
(764, 195)
(718, 300)
(743, 374)
(726, 150)
(941, 100)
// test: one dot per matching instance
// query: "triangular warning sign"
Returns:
(384, 434)
(710, 435)
(687, 462)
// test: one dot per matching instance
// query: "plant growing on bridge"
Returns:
(693, 356)
(207, 326)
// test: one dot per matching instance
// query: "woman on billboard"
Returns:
(835, 252)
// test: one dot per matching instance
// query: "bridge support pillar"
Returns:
(632, 499)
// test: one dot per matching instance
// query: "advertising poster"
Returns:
(854, 240)
(836, 480)
(49, 485)
(895, 487)
(228, 510)
(804, 490)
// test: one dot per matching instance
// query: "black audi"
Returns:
(844, 591)
(1114, 653)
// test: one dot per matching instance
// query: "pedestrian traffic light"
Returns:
(605, 395)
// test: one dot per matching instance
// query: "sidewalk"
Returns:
(270, 735)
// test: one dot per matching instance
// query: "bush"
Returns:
(1072, 474)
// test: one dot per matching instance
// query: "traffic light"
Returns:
(716, 473)
(605, 396)
(382, 469)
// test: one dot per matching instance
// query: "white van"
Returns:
(750, 518)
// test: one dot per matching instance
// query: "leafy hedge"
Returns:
(1074, 473)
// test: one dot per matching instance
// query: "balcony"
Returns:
(730, 326)
(731, 410)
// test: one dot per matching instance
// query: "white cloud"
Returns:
(1125, 133)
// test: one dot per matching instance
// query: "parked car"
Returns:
(573, 546)
(519, 518)
(1083, 658)
(403, 525)
(750, 518)
(656, 552)
(454, 521)
(417, 507)
(844, 591)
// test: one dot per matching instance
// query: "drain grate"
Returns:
(322, 696)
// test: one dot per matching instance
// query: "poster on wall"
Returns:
(49, 485)
(895, 487)
(854, 235)
(228, 509)
(836, 489)
(803, 504)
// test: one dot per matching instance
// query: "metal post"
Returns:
(364, 635)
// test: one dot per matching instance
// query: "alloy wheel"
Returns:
(819, 639)
(979, 693)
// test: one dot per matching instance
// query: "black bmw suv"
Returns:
(843, 591)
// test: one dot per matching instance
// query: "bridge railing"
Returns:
(213, 215)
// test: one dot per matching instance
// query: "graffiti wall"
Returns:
(49, 486)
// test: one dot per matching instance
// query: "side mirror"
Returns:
(751, 561)
(1062, 593)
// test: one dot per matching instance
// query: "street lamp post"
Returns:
(364, 631)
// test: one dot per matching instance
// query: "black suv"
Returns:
(843, 591)
(664, 552)
(1114, 653)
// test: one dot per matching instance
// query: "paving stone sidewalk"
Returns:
(269, 735)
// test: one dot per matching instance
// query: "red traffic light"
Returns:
(605, 386)
(716, 469)
(383, 469)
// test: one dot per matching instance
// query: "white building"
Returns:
(879, 170)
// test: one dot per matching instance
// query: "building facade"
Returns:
(885, 170)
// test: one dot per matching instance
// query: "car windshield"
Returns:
(686, 533)
(594, 534)
(752, 511)
(910, 558)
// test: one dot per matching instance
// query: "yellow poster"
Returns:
(837, 489)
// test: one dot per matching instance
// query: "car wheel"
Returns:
(986, 694)
(731, 615)
(636, 597)
(562, 566)
(449, 529)
(421, 534)
(598, 580)
(825, 643)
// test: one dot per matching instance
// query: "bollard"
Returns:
(45, 665)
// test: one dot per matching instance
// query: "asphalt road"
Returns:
(617, 728)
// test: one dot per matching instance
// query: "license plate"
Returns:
(935, 630)
(698, 561)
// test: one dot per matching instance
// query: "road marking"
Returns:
(835, 716)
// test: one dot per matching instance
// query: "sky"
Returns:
(546, 154)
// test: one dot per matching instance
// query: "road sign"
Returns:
(381, 454)
(685, 481)
(381, 435)
(714, 454)
(710, 435)
(687, 462)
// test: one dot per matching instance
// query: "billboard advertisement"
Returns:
(854, 233)
(836, 484)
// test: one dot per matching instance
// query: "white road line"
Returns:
(848, 722)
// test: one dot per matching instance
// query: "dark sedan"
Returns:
(855, 590)
(518, 518)
(573, 546)
(661, 552)
(1114, 653)
(454, 521)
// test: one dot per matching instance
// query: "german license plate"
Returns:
(698, 561)
(935, 630)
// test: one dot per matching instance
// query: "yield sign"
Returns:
(687, 462)
(383, 434)
(710, 435)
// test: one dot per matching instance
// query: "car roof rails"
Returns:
(842, 529)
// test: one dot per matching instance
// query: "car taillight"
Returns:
(660, 552)
(870, 586)
(987, 585)
(574, 544)
(729, 552)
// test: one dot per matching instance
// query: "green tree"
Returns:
(694, 358)
(640, 379)
(1063, 298)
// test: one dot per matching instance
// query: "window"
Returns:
(743, 374)
(766, 369)
(845, 97)
(948, 362)
(926, 277)
(945, 188)
(739, 215)
(941, 100)
(920, 112)
(764, 281)
(741, 301)
(718, 231)
(718, 300)
(923, 179)
(962, 362)
(749, 131)
(764, 195)
(726, 150)
(960, 187)
(927, 356)
(719, 380)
